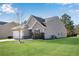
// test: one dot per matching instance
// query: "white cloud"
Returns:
(64, 4)
(8, 8)
(74, 11)
(77, 10)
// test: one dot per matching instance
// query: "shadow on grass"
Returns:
(69, 40)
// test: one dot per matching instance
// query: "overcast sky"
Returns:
(44, 10)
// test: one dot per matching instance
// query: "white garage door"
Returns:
(16, 34)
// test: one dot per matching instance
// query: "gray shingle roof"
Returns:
(39, 19)
(43, 21)
(2, 23)
(52, 18)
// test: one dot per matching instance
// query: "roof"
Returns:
(18, 27)
(41, 20)
(2, 23)
(52, 18)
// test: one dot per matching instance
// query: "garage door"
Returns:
(16, 34)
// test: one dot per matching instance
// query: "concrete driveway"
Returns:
(6, 40)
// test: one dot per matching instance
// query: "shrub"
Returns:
(10, 37)
(72, 34)
(53, 37)
(38, 36)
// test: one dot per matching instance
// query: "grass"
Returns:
(57, 47)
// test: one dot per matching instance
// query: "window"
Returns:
(37, 31)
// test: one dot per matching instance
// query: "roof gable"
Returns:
(41, 20)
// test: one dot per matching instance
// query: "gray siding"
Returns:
(6, 30)
(55, 27)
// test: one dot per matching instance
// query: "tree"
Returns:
(66, 19)
(77, 29)
(19, 15)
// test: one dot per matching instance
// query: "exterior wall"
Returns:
(26, 32)
(1, 31)
(38, 26)
(31, 21)
(29, 24)
(32, 24)
(55, 27)
(17, 34)
(6, 30)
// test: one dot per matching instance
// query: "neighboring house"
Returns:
(6, 29)
(2, 23)
(50, 27)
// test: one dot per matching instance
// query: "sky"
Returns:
(8, 11)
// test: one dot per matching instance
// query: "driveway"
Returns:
(3, 40)
(6, 40)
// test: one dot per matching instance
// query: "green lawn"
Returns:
(57, 47)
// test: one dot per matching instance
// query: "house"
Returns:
(50, 27)
(6, 29)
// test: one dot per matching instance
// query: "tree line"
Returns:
(71, 30)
